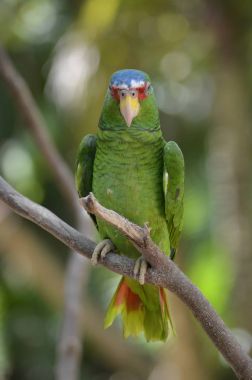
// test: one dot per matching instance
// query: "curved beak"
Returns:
(129, 108)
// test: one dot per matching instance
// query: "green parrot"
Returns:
(126, 167)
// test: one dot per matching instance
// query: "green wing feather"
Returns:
(84, 166)
(174, 192)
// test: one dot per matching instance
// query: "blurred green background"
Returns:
(199, 56)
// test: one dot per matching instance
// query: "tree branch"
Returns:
(68, 359)
(167, 275)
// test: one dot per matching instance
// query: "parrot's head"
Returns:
(130, 100)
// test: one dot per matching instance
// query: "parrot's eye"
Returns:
(133, 93)
(123, 93)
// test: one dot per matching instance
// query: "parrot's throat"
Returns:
(138, 138)
(105, 127)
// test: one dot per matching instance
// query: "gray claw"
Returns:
(102, 248)
(140, 269)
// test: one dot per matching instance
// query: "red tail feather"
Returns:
(125, 294)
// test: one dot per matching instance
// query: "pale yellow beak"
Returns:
(129, 107)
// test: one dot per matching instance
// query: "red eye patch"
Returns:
(114, 91)
(142, 91)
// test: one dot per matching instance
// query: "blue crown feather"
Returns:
(128, 77)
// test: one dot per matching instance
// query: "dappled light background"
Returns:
(198, 54)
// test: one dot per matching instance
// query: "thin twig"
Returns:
(139, 236)
(167, 275)
(68, 358)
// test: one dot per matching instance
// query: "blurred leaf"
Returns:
(96, 18)
(212, 272)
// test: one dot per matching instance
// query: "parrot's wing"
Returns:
(174, 192)
(84, 166)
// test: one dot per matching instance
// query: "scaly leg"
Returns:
(102, 248)
(140, 269)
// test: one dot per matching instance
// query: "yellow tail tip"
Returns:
(148, 315)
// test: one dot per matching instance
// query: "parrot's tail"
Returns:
(143, 308)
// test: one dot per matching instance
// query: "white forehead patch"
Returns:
(122, 86)
(136, 83)
(133, 84)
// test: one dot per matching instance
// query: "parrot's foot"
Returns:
(140, 269)
(102, 248)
